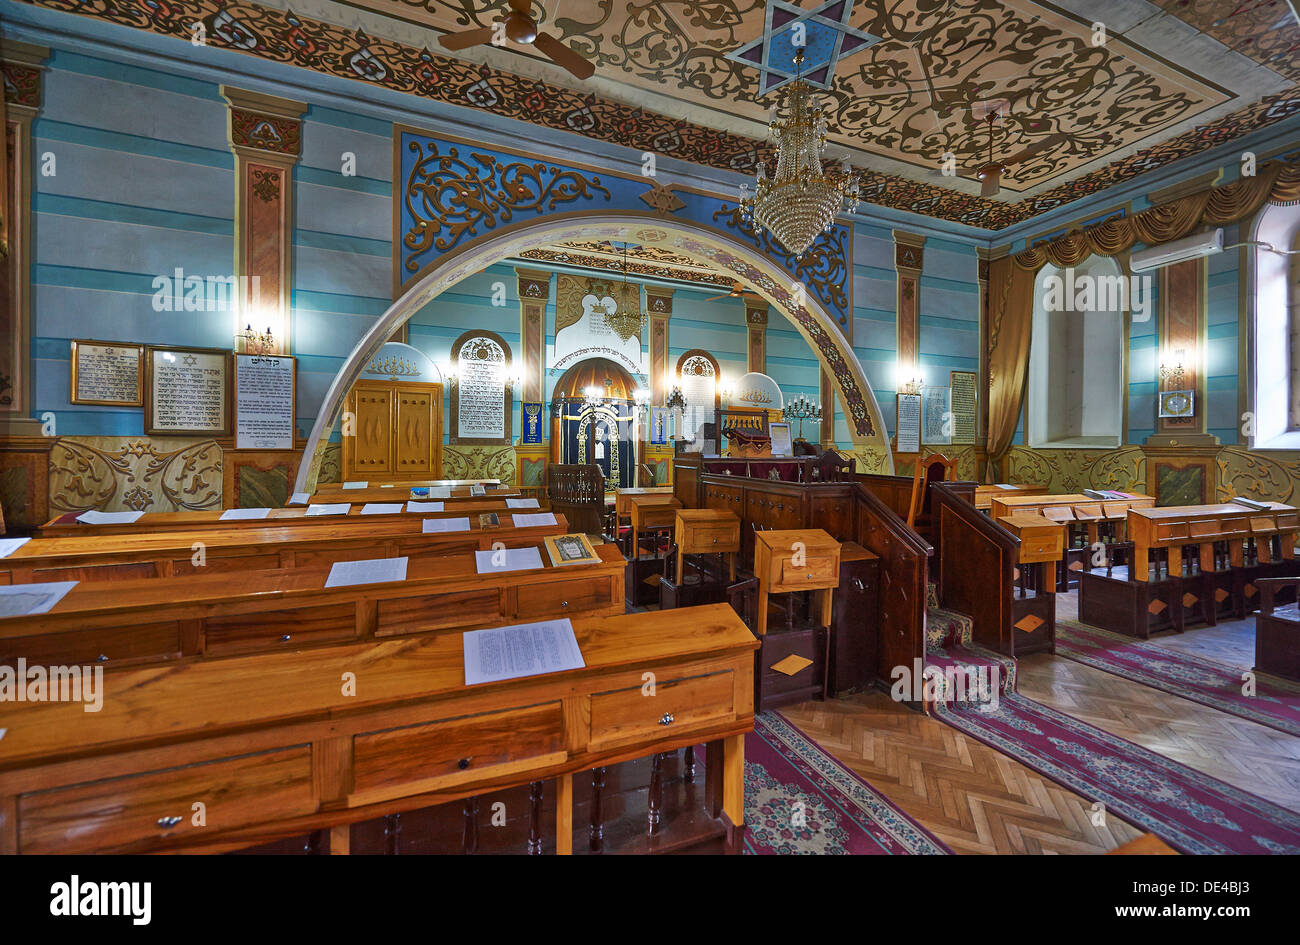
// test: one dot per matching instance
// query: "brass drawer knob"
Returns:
(101, 658)
(285, 638)
(564, 603)
(168, 822)
(667, 719)
(462, 764)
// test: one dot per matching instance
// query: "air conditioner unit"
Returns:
(1176, 251)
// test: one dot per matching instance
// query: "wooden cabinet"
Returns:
(793, 560)
(854, 621)
(396, 431)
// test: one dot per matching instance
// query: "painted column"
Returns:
(534, 291)
(756, 320)
(982, 379)
(265, 135)
(659, 305)
(21, 66)
(908, 256)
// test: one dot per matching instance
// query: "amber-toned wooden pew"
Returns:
(67, 524)
(985, 494)
(91, 557)
(1234, 545)
(333, 492)
(288, 609)
(276, 745)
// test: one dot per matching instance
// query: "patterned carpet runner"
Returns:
(1275, 702)
(798, 799)
(1189, 810)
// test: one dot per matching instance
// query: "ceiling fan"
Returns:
(737, 290)
(520, 27)
(990, 174)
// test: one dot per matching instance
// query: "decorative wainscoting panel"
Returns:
(136, 473)
(479, 462)
(1065, 471)
(1271, 476)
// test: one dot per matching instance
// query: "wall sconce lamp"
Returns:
(257, 342)
(1173, 376)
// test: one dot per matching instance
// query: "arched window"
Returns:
(697, 374)
(1275, 331)
(1076, 357)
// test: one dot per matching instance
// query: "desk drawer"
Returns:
(626, 715)
(477, 608)
(280, 629)
(816, 572)
(131, 814)
(1171, 531)
(563, 597)
(110, 646)
(225, 563)
(1037, 545)
(418, 758)
(703, 540)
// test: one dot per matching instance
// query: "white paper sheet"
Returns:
(332, 508)
(9, 545)
(381, 508)
(25, 600)
(239, 515)
(373, 571)
(438, 525)
(522, 504)
(299, 498)
(424, 506)
(96, 517)
(526, 649)
(530, 521)
(355, 485)
(507, 559)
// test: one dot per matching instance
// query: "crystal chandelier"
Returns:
(626, 322)
(802, 200)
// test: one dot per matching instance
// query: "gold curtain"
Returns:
(4, 176)
(1275, 183)
(1010, 316)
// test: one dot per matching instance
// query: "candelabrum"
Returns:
(802, 408)
(257, 342)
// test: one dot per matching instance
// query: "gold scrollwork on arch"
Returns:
(449, 196)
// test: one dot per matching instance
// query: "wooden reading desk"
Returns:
(289, 609)
(67, 523)
(985, 494)
(400, 493)
(623, 498)
(90, 557)
(1172, 527)
(275, 747)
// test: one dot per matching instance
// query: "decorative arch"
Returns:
(744, 263)
(593, 372)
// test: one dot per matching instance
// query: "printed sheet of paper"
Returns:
(96, 517)
(355, 485)
(26, 600)
(299, 498)
(510, 559)
(438, 525)
(372, 571)
(331, 508)
(526, 649)
(381, 508)
(531, 521)
(9, 545)
(424, 506)
(522, 504)
(239, 515)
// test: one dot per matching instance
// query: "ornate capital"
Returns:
(534, 285)
(264, 123)
(909, 250)
(20, 70)
(755, 310)
(659, 301)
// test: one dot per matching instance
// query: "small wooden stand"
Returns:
(707, 532)
(801, 559)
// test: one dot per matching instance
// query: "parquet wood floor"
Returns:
(974, 799)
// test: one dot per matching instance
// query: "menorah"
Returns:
(802, 408)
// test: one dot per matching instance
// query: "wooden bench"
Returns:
(91, 557)
(272, 745)
(1277, 630)
(67, 523)
(289, 610)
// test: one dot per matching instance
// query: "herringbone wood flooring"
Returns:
(975, 799)
(1251, 756)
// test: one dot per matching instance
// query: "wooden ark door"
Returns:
(397, 432)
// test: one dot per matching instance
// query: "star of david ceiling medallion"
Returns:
(822, 34)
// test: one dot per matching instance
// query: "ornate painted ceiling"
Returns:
(906, 81)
